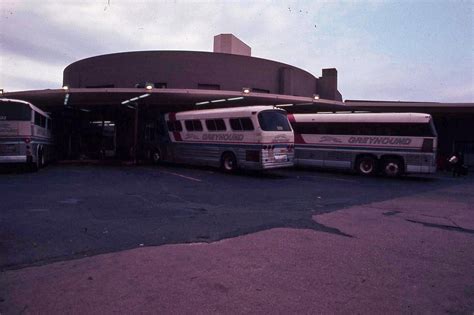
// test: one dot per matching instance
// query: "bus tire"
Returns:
(40, 160)
(228, 162)
(366, 165)
(156, 156)
(34, 166)
(392, 167)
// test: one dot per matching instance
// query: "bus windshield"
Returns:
(14, 111)
(273, 120)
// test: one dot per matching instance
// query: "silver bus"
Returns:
(369, 143)
(253, 137)
(25, 134)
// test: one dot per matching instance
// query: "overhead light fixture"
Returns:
(284, 105)
(65, 87)
(130, 106)
(66, 99)
(246, 90)
(219, 101)
(135, 98)
(315, 96)
(235, 98)
(85, 110)
(149, 86)
(202, 103)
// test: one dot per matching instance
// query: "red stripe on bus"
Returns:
(299, 139)
(176, 134)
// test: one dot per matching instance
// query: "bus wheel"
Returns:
(229, 162)
(34, 166)
(392, 167)
(40, 159)
(156, 156)
(366, 165)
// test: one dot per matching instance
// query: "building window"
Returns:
(206, 86)
(257, 90)
(103, 86)
(160, 85)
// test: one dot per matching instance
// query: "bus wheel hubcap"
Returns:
(391, 168)
(366, 167)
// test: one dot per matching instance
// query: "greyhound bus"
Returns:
(25, 134)
(369, 143)
(253, 137)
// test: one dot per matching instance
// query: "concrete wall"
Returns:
(193, 70)
(229, 44)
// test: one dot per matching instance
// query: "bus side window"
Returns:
(215, 124)
(40, 120)
(193, 125)
(197, 125)
(235, 124)
(189, 125)
(37, 119)
(244, 123)
(220, 124)
(211, 125)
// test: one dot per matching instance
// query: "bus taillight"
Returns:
(427, 145)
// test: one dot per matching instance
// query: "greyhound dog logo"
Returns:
(330, 139)
(281, 138)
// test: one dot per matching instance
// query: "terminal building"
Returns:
(105, 101)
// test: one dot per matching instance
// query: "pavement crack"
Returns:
(390, 213)
(443, 226)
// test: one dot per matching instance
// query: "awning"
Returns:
(170, 99)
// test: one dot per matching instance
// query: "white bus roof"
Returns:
(36, 109)
(223, 112)
(365, 117)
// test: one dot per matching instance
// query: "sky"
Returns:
(383, 50)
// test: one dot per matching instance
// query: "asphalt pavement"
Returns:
(109, 215)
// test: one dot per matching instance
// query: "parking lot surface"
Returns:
(358, 244)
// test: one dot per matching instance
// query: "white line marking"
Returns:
(183, 176)
(334, 178)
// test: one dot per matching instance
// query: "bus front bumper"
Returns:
(13, 159)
